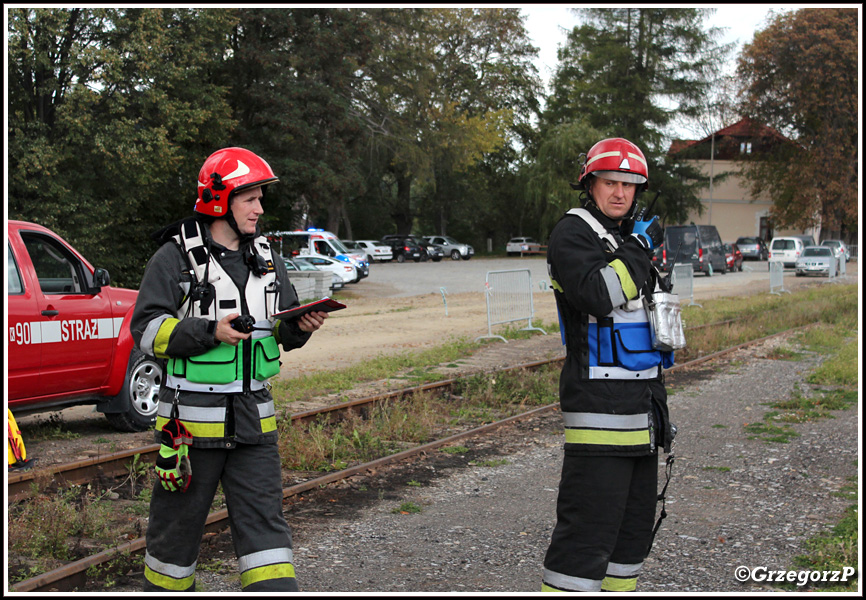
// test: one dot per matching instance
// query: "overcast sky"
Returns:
(548, 26)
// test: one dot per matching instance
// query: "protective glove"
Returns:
(649, 234)
(172, 465)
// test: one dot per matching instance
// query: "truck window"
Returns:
(57, 270)
(14, 286)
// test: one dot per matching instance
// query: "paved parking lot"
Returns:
(395, 280)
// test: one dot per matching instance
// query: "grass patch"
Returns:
(407, 508)
(769, 432)
(841, 370)
(455, 450)
(719, 469)
(835, 549)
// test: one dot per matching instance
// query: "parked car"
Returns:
(68, 335)
(807, 240)
(376, 250)
(435, 252)
(451, 247)
(318, 242)
(816, 260)
(787, 250)
(405, 247)
(659, 259)
(699, 245)
(347, 271)
(302, 265)
(753, 248)
(733, 257)
(516, 245)
(839, 248)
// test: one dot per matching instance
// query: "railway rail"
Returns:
(74, 575)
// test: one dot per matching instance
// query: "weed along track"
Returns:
(319, 446)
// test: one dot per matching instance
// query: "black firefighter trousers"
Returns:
(252, 484)
(605, 513)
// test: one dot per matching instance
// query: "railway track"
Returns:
(74, 575)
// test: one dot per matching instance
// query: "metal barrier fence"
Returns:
(777, 277)
(509, 299)
(831, 271)
(683, 283)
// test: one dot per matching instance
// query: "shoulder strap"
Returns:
(597, 227)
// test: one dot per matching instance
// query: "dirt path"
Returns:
(371, 326)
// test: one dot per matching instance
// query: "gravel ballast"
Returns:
(486, 516)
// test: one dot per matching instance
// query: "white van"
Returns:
(786, 249)
(318, 242)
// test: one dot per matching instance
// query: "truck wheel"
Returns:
(141, 391)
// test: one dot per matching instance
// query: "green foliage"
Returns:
(627, 72)
(800, 77)
(836, 549)
(111, 113)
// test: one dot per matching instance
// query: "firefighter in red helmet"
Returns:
(206, 306)
(612, 394)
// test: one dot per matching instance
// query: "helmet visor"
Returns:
(621, 176)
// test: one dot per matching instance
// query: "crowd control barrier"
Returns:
(777, 277)
(683, 283)
(509, 299)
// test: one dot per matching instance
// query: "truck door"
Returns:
(77, 330)
(21, 303)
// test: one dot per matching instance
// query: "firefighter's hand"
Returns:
(648, 233)
(311, 321)
(224, 331)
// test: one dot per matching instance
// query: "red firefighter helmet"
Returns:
(617, 159)
(226, 172)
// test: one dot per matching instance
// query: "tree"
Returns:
(800, 77)
(110, 113)
(627, 73)
(293, 74)
(444, 91)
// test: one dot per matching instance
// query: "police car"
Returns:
(68, 335)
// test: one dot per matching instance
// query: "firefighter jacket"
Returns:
(189, 284)
(611, 386)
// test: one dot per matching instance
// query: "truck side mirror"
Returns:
(101, 278)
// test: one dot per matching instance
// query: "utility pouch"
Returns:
(218, 365)
(266, 358)
(665, 320)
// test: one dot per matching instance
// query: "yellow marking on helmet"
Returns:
(602, 155)
(637, 158)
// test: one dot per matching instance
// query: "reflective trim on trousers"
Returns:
(619, 584)
(605, 421)
(267, 416)
(557, 582)
(235, 387)
(607, 437)
(620, 373)
(201, 421)
(275, 563)
(604, 429)
(624, 570)
(167, 576)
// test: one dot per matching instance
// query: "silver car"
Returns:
(816, 260)
(839, 248)
(451, 247)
